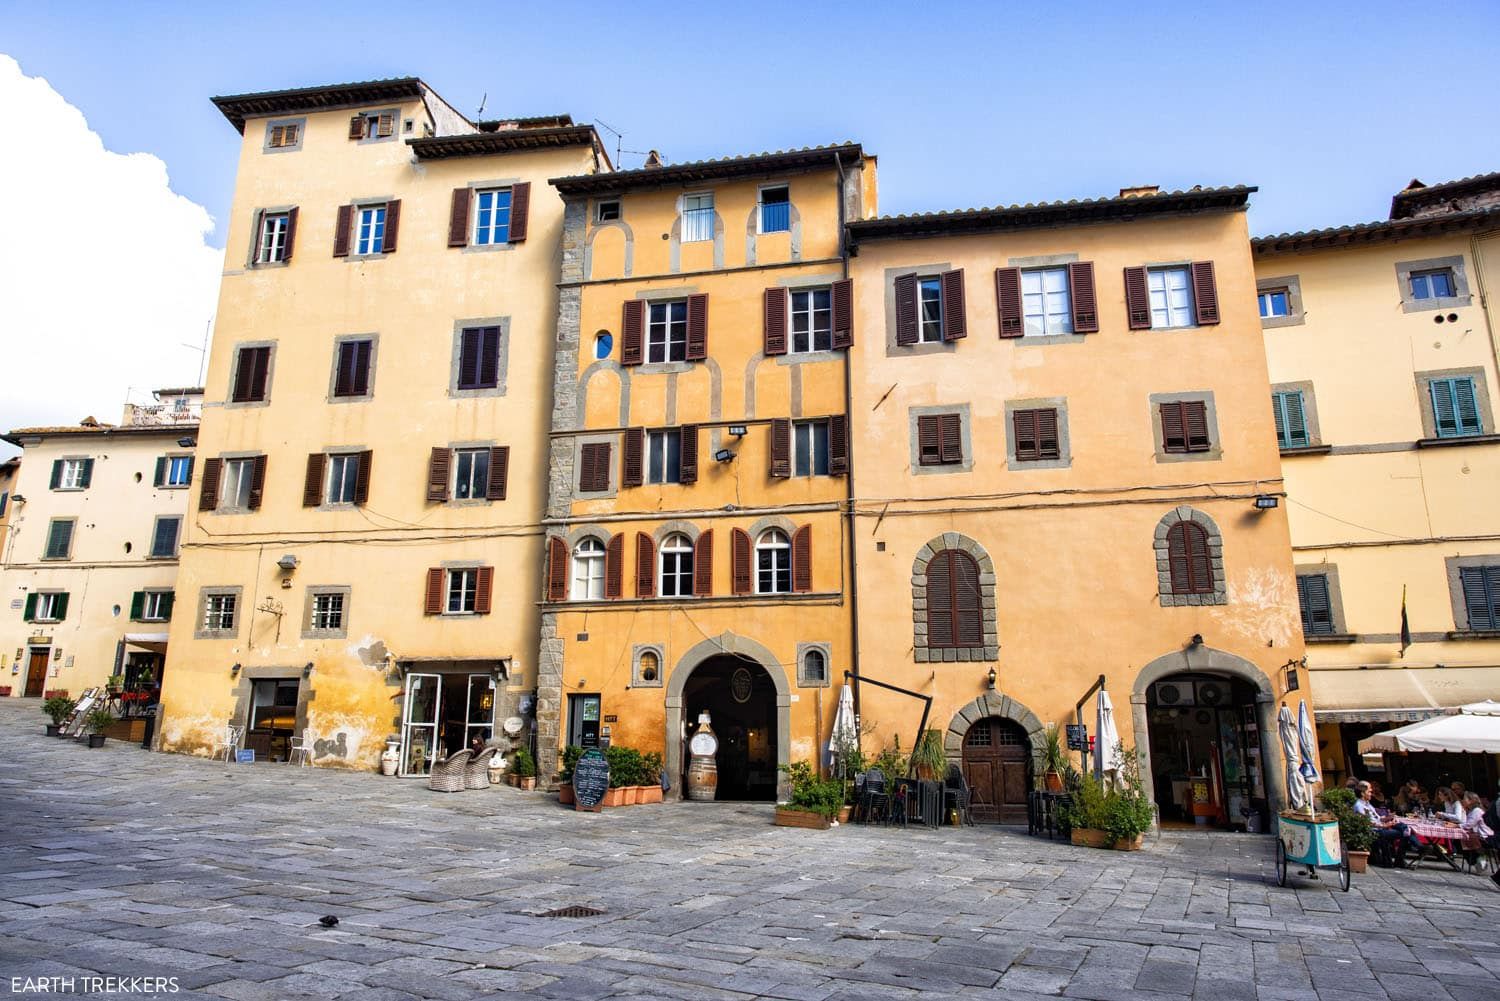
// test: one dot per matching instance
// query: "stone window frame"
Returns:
(803, 649)
(1211, 418)
(1292, 285)
(600, 200)
(965, 433)
(1335, 597)
(38, 618)
(230, 403)
(79, 458)
(805, 283)
(1481, 400)
(397, 129)
(1064, 439)
(308, 631)
(151, 591)
(987, 605)
(1219, 595)
(636, 652)
(1042, 262)
(225, 458)
(356, 206)
(888, 280)
(192, 464)
(1454, 264)
(1309, 412)
(333, 368)
(1451, 566)
(258, 221)
(72, 540)
(454, 447)
(653, 297)
(204, 593)
(448, 567)
(475, 187)
(177, 546)
(271, 123)
(616, 447)
(502, 364)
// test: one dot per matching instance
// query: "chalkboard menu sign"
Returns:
(1078, 737)
(590, 780)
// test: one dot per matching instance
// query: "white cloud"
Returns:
(104, 272)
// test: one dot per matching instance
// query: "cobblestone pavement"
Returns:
(120, 862)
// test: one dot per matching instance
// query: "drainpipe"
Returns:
(849, 479)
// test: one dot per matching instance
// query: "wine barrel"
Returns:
(702, 778)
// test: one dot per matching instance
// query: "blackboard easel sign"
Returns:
(590, 781)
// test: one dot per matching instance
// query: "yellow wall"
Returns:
(411, 299)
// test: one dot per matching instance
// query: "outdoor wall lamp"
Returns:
(1265, 502)
(287, 563)
(738, 430)
(307, 670)
(1196, 641)
(992, 679)
(234, 670)
(186, 442)
(724, 455)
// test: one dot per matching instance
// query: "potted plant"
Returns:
(570, 756)
(1054, 759)
(115, 682)
(814, 801)
(1116, 817)
(624, 775)
(651, 772)
(1355, 829)
(525, 769)
(928, 757)
(98, 720)
(57, 707)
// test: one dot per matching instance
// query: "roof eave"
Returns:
(1388, 231)
(510, 141)
(238, 107)
(673, 175)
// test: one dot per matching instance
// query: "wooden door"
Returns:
(36, 672)
(997, 766)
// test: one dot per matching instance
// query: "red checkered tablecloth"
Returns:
(1429, 830)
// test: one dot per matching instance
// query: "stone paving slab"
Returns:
(120, 862)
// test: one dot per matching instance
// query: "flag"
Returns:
(1405, 625)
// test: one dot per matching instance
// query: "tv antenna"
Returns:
(483, 100)
(619, 140)
(202, 349)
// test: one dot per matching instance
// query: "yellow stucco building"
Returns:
(1382, 346)
(696, 555)
(361, 556)
(1063, 458)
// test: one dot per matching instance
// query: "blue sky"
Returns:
(1328, 108)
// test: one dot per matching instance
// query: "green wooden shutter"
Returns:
(1455, 408)
(29, 615)
(56, 474)
(1313, 602)
(1481, 587)
(88, 467)
(137, 606)
(1465, 406)
(1291, 421)
(62, 606)
(161, 471)
(167, 601)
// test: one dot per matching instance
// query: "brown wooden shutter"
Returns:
(362, 477)
(342, 227)
(632, 462)
(1085, 302)
(439, 463)
(951, 428)
(697, 327)
(1137, 301)
(802, 559)
(1047, 441)
(775, 321)
(739, 552)
(433, 603)
(955, 325)
(1205, 293)
(703, 564)
(645, 566)
(312, 486)
(499, 472)
(1173, 437)
(458, 218)
(291, 233)
(208, 484)
(967, 618)
(614, 571)
(929, 440)
(387, 125)
(1008, 302)
(257, 481)
(392, 224)
(906, 308)
(484, 585)
(632, 340)
(838, 445)
(557, 569)
(357, 127)
(1024, 423)
(841, 295)
(781, 448)
(688, 456)
(1195, 425)
(940, 625)
(520, 209)
(257, 233)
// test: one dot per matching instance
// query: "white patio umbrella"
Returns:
(1296, 788)
(844, 734)
(1307, 742)
(1107, 759)
(1472, 729)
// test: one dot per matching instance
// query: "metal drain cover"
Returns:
(572, 911)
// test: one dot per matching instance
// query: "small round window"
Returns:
(604, 343)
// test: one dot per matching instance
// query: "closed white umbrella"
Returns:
(1296, 789)
(1107, 760)
(1307, 745)
(845, 735)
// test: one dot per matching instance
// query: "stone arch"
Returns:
(1207, 660)
(588, 247)
(1005, 707)
(580, 413)
(772, 521)
(1164, 566)
(668, 528)
(739, 646)
(577, 535)
(991, 648)
(674, 246)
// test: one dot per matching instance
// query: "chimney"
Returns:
(89, 422)
(1140, 191)
(654, 160)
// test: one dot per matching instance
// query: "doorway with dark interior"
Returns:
(1205, 751)
(740, 698)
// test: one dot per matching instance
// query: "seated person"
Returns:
(1411, 797)
(1448, 806)
(1390, 835)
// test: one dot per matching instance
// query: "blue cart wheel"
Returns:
(1280, 863)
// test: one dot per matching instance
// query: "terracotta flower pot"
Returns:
(844, 812)
(1129, 844)
(1088, 837)
(565, 794)
(651, 794)
(1054, 782)
(801, 818)
(1359, 861)
(614, 797)
(528, 782)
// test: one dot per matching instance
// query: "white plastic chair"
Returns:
(231, 742)
(298, 745)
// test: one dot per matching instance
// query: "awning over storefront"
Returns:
(156, 642)
(1473, 729)
(1396, 694)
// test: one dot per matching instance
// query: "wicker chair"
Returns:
(476, 772)
(448, 774)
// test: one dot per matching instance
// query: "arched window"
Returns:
(814, 667)
(588, 570)
(650, 667)
(1187, 554)
(676, 567)
(953, 600)
(773, 563)
(604, 343)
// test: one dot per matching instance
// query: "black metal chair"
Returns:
(876, 797)
(956, 795)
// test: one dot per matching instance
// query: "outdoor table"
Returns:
(1434, 836)
(924, 800)
(1043, 811)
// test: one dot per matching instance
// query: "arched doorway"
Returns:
(997, 766)
(740, 698)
